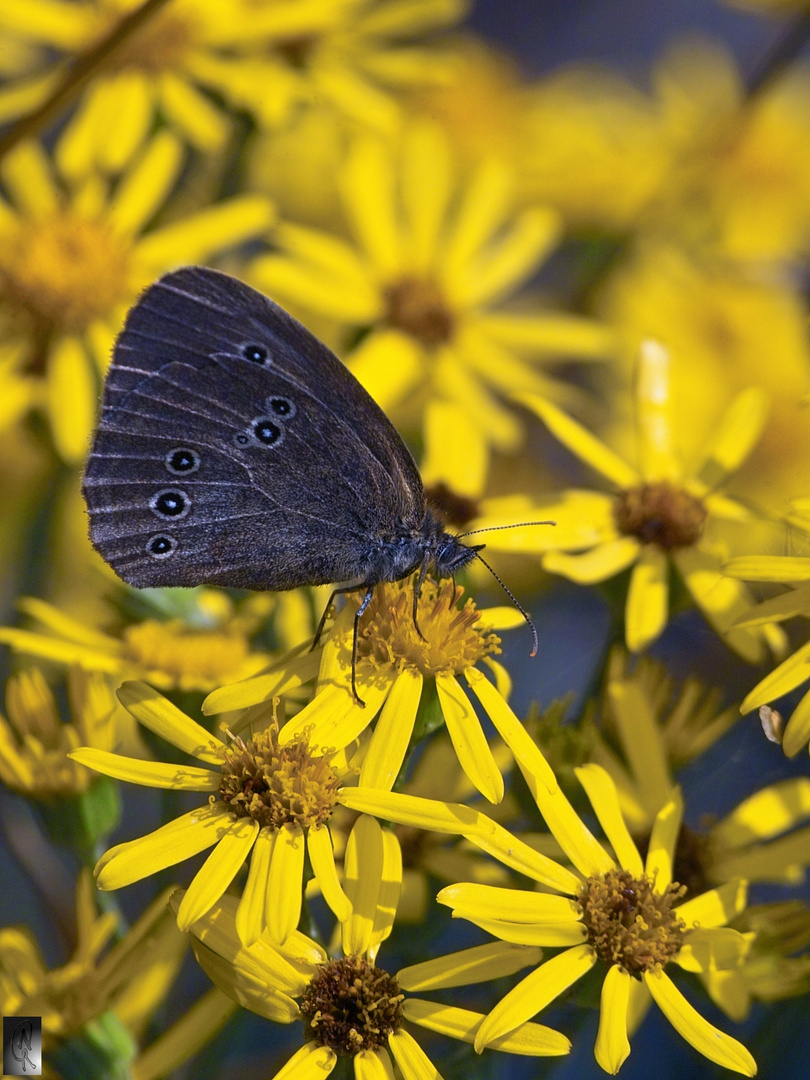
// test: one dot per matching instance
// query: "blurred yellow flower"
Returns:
(266, 56)
(73, 257)
(34, 743)
(429, 264)
(188, 655)
(657, 513)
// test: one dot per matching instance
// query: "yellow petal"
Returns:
(148, 773)
(170, 844)
(715, 907)
(27, 174)
(288, 674)
(251, 915)
(647, 598)
(734, 438)
(217, 872)
(656, 456)
(603, 562)
(285, 884)
(363, 871)
(71, 398)
(389, 364)
(768, 812)
(389, 890)
(534, 992)
(612, 1047)
(467, 967)
(782, 568)
(483, 207)
(687, 1021)
(797, 731)
(510, 729)
(393, 731)
(322, 859)
(192, 113)
(601, 792)
(196, 238)
(310, 1062)
(453, 454)
(472, 749)
(292, 281)
(413, 1062)
(426, 185)
(145, 186)
(708, 950)
(663, 840)
(367, 186)
(469, 899)
(581, 442)
(533, 1040)
(334, 718)
(557, 334)
(642, 743)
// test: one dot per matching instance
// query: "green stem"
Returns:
(78, 75)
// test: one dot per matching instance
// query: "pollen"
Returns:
(418, 307)
(660, 513)
(451, 641)
(278, 785)
(190, 659)
(63, 271)
(350, 1006)
(629, 923)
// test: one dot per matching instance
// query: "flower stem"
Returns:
(78, 74)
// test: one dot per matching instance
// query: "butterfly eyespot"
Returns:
(182, 461)
(241, 439)
(170, 503)
(257, 354)
(161, 546)
(266, 432)
(281, 407)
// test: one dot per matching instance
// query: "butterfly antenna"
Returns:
(513, 598)
(497, 528)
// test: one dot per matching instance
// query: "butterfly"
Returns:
(233, 448)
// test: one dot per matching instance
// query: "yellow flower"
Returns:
(34, 742)
(73, 257)
(267, 56)
(396, 671)
(349, 1006)
(210, 646)
(788, 570)
(625, 915)
(657, 514)
(428, 264)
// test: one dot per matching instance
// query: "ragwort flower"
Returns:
(197, 653)
(267, 56)
(349, 1006)
(429, 260)
(626, 915)
(266, 801)
(657, 514)
(73, 256)
(395, 668)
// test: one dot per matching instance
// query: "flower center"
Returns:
(417, 306)
(350, 1006)
(296, 51)
(192, 660)
(692, 857)
(452, 640)
(278, 785)
(63, 272)
(660, 514)
(629, 923)
(161, 44)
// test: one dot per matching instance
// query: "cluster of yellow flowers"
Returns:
(578, 300)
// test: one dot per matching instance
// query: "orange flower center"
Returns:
(417, 307)
(660, 513)
(350, 1005)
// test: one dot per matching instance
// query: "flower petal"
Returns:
(533, 993)
(734, 437)
(715, 907)
(217, 872)
(170, 844)
(534, 1040)
(251, 915)
(479, 964)
(656, 453)
(393, 731)
(469, 899)
(647, 598)
(310, 1062)
(601, 792)
(664, 837)
(768, 812)
(687, 1021)
(602, 562)
(713, 949)
(797, 731)
(288, 674)
(472, 748)
(148, 773)
(784, 678)
(285, 884)
(322, 860)
(163, 718)
(612, 1046)
(363, 872)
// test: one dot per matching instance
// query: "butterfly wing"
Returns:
(234, 448)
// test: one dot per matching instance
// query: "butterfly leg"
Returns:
(357, 617)
(417, 592)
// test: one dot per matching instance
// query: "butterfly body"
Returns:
(235, 449)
